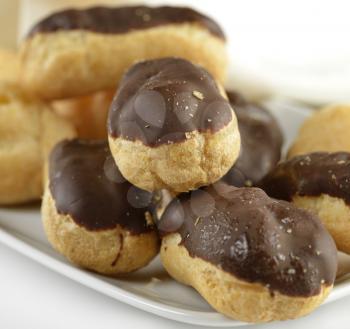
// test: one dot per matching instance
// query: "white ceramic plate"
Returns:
(149, 289)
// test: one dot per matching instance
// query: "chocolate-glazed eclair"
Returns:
(92, 215)
(75, 52)
(320, 183)
(252, 258)
(261, 145)
(171, 127)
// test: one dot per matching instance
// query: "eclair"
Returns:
(92, 215)
(171, 127)
(320, 183)
(80, 51)
(252, 258)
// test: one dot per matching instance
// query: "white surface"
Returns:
(165, 298)
(291, 48)
(20, 228)
(33, 297)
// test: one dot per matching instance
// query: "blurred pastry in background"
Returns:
(80, 51)
(9, 66)
(88, 113)
(326, 130)
(261, 142)
(28, 131)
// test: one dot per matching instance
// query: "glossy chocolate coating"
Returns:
(116, 20)
(261, 145)
(86, 184)
(254, 237)
(161, 101)
(311, 174)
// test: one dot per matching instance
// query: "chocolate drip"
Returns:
(311, 174)
(261, 145)
(254, 237)
(116, 20)
(162, 101)
(86, 184)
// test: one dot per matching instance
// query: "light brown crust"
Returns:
(9, 66)
(200, 160)
(333, 212)
(326, 130)
(28, 131)
(111, 252)
(237, 299)
(72, 63)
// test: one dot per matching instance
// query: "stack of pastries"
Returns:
(127, 132)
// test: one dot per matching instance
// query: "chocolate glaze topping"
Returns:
(254, 237)
(161, 101)
(123, 19)
(86, 184)
(311, 174)
(261, 145)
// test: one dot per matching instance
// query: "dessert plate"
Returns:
(149, 289)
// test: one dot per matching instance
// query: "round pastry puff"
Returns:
(327, 130)
(171, 127)
(76, 52)
(320, 183)
(92, 215)
(28, 131)
(252, 258)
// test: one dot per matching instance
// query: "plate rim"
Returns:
(21, 244)
(15, 241)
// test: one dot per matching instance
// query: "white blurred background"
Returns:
(296, 49)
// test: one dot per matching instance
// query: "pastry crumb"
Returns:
(198, 94)
(189, 135)
(197, 221)
(149, 219)
(248, 183)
